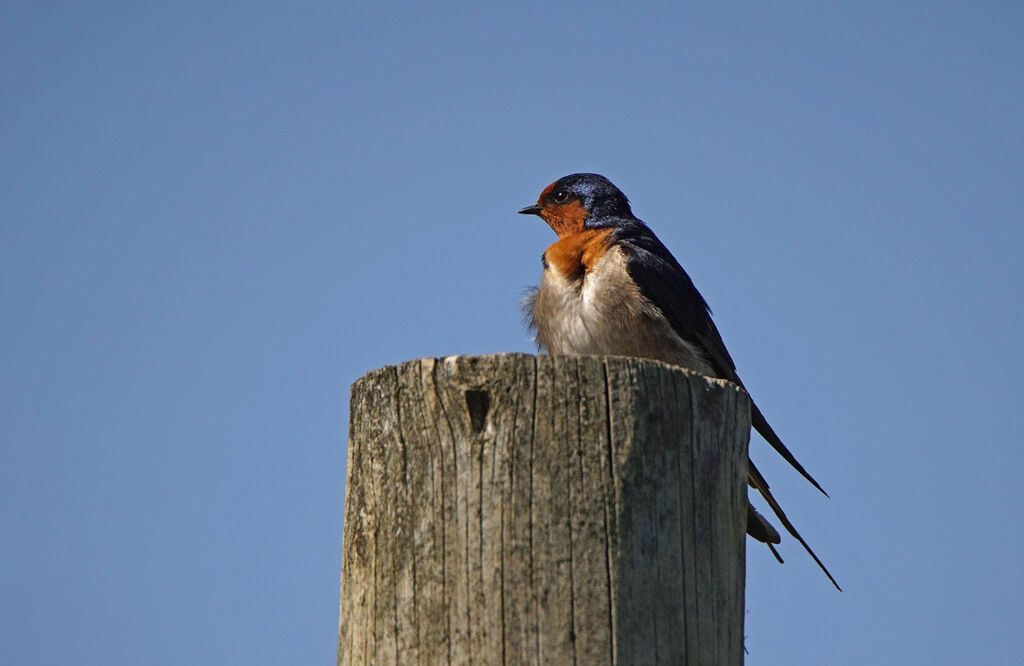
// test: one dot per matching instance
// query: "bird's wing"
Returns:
(664, 282)
(761, 426)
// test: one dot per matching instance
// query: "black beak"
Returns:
(530, 210)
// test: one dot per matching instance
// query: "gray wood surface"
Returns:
(517, 509)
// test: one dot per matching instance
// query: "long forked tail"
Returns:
(761, 426)
(757, 481)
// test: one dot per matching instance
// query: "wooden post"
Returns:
(517, 509)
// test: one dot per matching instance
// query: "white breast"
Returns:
(603, 312)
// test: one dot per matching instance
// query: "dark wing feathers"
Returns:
(761, 426)
(664, 282)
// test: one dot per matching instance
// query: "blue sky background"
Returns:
(214, 218)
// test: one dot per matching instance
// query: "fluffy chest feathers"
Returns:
(588, 303)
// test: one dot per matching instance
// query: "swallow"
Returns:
(610, 286)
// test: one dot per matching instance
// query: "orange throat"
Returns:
(565, 220)
(576, 254)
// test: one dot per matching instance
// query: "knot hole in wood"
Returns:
(478, 403)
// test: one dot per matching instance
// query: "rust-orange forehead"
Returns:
(547, 190)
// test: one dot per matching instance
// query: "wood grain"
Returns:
(517, 509)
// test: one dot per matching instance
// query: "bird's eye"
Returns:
(561, 196)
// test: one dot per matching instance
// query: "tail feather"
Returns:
(757, 481)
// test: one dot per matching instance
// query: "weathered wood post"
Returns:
(513, 509)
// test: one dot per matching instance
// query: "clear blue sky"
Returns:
(214, 218)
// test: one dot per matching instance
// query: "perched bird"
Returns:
(611, 287)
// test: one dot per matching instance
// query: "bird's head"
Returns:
(578, 201)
